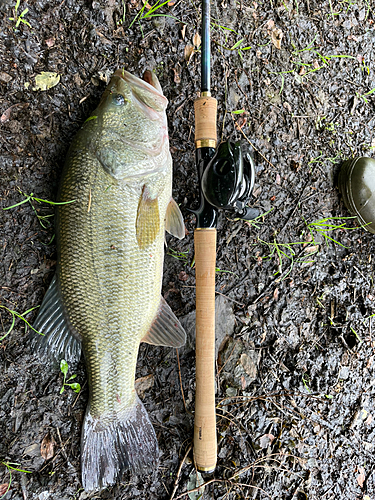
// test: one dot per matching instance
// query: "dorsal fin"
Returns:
(58, 340)
(165, 329)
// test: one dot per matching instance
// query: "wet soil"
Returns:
(295, 383)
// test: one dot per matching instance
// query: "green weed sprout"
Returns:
(356, 334)
(305, 380)
(363, 96)
(257, 220)
(30, 197)
(282, 251)
(325, 226)
(10, 467)
(287, 251)
(152, 12)
(15, 315)
(178, 255)
(19, 18)
(64, 370)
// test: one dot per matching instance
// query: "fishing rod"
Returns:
(226, 179)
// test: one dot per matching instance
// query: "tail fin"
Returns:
(109, 446)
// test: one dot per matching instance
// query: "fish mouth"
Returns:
(147, 90)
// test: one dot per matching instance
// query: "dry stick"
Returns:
(175, 486)
(182, 390)
(222, 481)
(251, 144)
(57, 454)
(289, 216)
(235, 301)
(256, 464)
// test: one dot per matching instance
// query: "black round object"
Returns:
(357, 186)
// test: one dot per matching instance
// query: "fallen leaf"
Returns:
(312, 249)
(47, 447)
(189, 51)
(4, 488)
(183, 31)
(195, 480)
(249, 365)
(276, 37)
(241, 122)
(270, 24)
(287, 106)
(197, 40)
(50, 42)
(183, 276)
(361, 478)
(6, 115)
(46, 80)
(266, 439)
(4, 77)
(176, 78)
(142, 384)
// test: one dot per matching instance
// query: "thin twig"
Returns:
(175, 486)
(182, 389)
(256, 464)
(251, 144)
(226, 296)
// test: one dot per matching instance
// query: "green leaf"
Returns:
(72, 377)
(75, 386)
(237, 44)
(195, 480)
(64, 366)
(20, 203)
(62, 389)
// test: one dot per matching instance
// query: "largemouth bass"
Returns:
(106, 294)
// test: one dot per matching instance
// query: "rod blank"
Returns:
(206, 48)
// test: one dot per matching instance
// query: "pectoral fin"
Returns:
(174, 222)
(148, 219)
(166, 329)
(58, 340)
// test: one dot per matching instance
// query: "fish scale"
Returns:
(106, 292)
(102, 304)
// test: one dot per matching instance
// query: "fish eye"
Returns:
(118, 99)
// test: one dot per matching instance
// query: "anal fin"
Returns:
(166, 329)
(58, 340)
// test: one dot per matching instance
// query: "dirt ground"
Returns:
(295, 383)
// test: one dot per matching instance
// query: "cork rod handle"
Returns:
(205, 441)
(205, 121)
